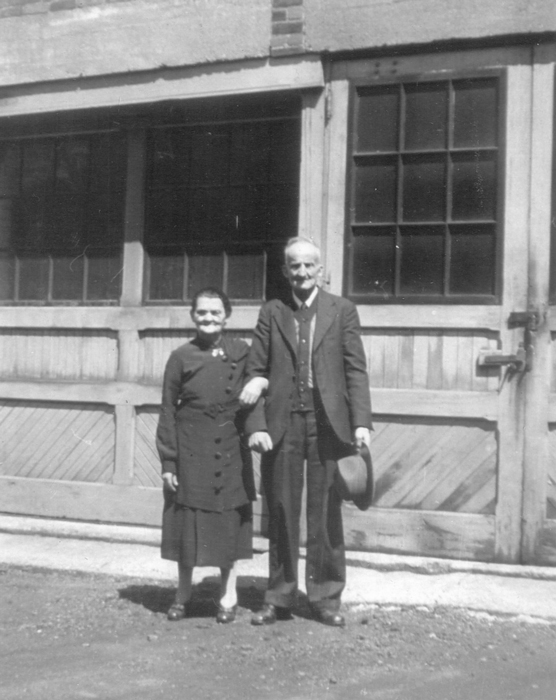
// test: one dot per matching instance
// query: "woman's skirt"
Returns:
(195, 537)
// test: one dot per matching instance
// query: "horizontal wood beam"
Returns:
(115, 318)
(243, 317)
(426, 533)
(134, 505)
(234, 78)
(431, 316)
(112, 393)
(448, 404)
(427, 402)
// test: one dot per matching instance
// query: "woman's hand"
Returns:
(170, 481)
(260, 441)
(252, 391)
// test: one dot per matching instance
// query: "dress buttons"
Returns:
(228, 389)
(217, 439)
(234, 365)
(224, 358)
(217, 455)
(230, 376)
(218, 473)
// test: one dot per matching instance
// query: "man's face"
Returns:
(302, 269)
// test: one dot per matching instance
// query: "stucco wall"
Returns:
(52, 41)
(338, 25)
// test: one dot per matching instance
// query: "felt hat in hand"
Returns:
(355, 478)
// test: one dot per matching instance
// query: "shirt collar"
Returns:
(308, 301)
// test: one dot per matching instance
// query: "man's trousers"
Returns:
(308, 437)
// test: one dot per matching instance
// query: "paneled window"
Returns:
(61, 218)
(221, 199)
(424, 192)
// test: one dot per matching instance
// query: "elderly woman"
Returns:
(206, 468)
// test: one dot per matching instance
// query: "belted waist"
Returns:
(212, 409)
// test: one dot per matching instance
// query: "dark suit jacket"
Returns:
(339, 366)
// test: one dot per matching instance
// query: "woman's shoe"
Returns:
(177, 612)
(225, 615)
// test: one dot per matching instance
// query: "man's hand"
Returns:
(252, 391)
(362, 437)
(260, 442)
(170, 481)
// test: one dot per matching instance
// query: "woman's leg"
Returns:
(185, 579)
(228, 587)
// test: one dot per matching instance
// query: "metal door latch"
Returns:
(524, 319)
(497, 358)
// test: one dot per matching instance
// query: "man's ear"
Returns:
(285, 271)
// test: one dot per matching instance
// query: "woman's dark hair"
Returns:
(213, 293)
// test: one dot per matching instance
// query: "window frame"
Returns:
(421, 77)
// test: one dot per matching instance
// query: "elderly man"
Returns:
(317, 408)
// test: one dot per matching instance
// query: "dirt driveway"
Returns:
(71, 636)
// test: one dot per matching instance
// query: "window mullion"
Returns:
(133, 253)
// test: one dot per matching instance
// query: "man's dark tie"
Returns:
(304, 395)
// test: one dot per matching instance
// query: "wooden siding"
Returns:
(440, 360)
(146, 464)
(435, 465)
(56, 441)
(551, 474)
(58, 354)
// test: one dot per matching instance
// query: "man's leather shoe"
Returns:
(331, 618)
(270, 613)
(266, 615)
(177, 612)
(225, 615)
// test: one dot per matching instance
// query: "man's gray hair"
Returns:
(301, 239)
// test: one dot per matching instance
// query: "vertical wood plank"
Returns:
(536, 447)
(335, 183)
(125, 444)
(391, 359)
(405, 371)
(435, 361)
(133, 257)
(514, 274)
(421, 360)
(311, 172)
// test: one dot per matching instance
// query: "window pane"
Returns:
(285, 149)
(104, 277)
(283, 213)
(204, 270)
(246, 276)
(33, 278)
(472, 261)
(38, 166)
(210, 219)
(166, 218)
(170, 157)
(210, 157)
(250, 153)
(67, 282)
(475, 108)
(377, 119)
(166, 277)
(474, 187)
(249, 213)
(375, 190)
(426, 116)
(72, 165)
(106, 196)
(424, 188)
(422, 261)
(373, 257)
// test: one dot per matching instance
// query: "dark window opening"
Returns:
(424, 192)
(221, 199)
(61, 218)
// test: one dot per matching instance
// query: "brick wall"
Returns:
(287, 28)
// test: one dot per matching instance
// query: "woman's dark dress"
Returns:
(208, 521)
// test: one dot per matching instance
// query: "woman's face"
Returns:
(209, 317)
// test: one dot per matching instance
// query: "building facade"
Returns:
(150, 147)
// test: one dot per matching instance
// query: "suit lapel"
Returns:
(286, 326)
(326, 311)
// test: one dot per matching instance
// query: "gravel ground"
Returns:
(70, 636)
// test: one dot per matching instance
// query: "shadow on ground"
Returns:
(158, 598)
